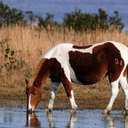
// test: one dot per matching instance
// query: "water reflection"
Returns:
(113, 120)
(126, 121)
(8, 117)
(72, 121)
(32, 120)
(61, 118)
(110, 121)
(50, 119)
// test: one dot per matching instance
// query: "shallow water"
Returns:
(17, 118)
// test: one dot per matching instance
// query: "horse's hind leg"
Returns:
(114, 93)
(54, 88)
(124, 85)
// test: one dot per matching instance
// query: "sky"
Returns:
(59, 7)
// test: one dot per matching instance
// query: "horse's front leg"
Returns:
(114, 93)
(68, 88)
(54, 88)
(73, 103)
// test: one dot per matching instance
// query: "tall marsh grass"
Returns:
(30, 44)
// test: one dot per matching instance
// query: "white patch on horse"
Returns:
(51, 101)
(114, 93)
(72, 100)
(60, 52)
(54, 88)
(89, 49)
(29, 103)
(73, 76)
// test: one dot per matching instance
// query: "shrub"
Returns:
(80, 21)
(10, 16)
(9, 61)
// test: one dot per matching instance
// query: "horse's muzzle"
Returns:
(30, 111)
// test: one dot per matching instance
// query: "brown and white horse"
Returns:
(84, 65)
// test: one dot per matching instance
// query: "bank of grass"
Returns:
(30, 44)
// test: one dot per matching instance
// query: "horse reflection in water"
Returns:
(110, 121)
(32, 120)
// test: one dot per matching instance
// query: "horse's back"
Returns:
(58, 51)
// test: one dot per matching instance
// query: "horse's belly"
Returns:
(89, 78)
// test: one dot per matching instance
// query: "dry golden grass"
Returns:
(31, 44)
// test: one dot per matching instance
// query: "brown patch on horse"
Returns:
(36, 96)
(57, 75)
(44, 70)
(81, 47)
(67, 85)
(52, 68)
(86, 67)
(115, 61)
(90, 68)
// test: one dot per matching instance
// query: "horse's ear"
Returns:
(27, 84)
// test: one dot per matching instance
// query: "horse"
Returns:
(66, 63)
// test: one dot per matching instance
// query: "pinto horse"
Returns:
(84, 65)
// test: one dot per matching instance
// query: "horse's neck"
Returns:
(40, 74)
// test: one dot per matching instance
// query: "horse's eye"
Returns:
(38, 82)
(27, 91)
(34, 93)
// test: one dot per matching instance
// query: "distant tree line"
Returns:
(83, 21)
(76, 20)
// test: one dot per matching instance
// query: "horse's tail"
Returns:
(125, 73)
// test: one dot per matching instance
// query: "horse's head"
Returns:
(33, 96)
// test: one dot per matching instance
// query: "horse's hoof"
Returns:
(30, 111)
(125, 112)
(73, 111)
(106, 112)
(49, 110)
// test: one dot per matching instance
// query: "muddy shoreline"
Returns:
(94, 96)
(62, 104)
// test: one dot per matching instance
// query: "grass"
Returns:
(30, 44)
